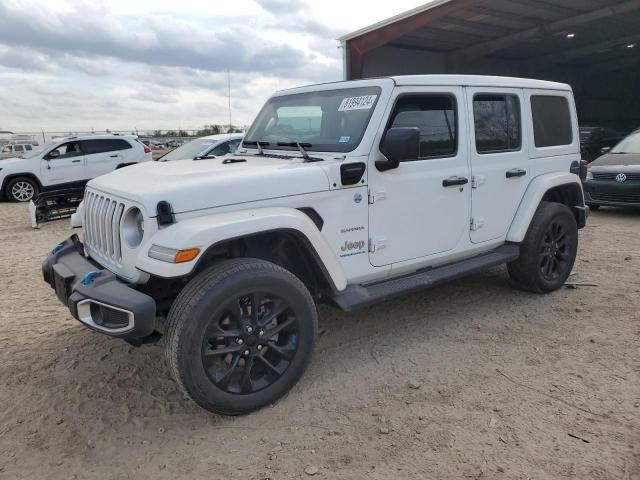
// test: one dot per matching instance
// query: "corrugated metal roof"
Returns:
(550, 31)
(397, 18)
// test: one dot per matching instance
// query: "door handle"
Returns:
(454, 181)
(114, 156)
(516, 172)
(75, 161)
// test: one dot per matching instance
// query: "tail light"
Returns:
(147, 149)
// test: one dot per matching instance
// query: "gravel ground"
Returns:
(469, 380)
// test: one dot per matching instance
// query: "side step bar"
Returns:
(358, 296)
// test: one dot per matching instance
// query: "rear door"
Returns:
(499, 160)
(104, 155)
(65, 166)
(421, 208)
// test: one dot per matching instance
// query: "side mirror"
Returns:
(53, 154)
(605, 149)
(399, 144)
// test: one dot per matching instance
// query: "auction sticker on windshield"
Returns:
(364, 102)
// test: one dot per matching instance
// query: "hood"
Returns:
(614, 161)
(196, 185)
(11, 161)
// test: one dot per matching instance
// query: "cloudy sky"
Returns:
(71, 65)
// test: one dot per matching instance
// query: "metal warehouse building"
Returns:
(594, 45)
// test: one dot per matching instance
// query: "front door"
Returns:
(499, 160)
(422, 207)
(65, 166)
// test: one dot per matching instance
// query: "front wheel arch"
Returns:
(287, 248)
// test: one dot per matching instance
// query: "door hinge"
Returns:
(377, 244)
(476, 223)
(478, 181)
(376, 196)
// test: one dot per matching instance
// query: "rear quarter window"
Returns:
(551, 121)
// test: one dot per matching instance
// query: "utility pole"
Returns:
(229, 95)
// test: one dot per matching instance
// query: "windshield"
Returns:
(631, 144)
(41, 150)
(189, 150)
(325, 121)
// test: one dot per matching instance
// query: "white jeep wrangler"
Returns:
(346, 193)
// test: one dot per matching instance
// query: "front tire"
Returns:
(240, 335)
(549, 250)
(21, 189)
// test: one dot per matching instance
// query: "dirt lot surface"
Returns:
(470, 380)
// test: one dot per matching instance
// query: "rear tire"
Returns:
(240, 335)
(21, 189)
(549, 250)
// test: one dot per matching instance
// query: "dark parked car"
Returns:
(614, 178)
(595, 141)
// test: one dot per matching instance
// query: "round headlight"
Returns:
(133, 227)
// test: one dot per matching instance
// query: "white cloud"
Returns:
(75, 65)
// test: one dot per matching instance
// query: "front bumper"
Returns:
(612, 193)
(95, 296)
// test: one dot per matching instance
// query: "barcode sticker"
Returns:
(364, 102)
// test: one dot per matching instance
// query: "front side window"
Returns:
(68, 150)
(497, 123)
(330, 121)
(551, 121)
(436, 118)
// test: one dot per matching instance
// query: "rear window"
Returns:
(497, 123)
(551, 121)
(104, 145)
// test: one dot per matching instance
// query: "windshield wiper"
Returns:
(301, 147)
(258, 144)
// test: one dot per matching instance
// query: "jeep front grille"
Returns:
(102, 216)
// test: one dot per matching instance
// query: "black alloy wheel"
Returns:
(240, 335)
(251, 343)
(554, 252)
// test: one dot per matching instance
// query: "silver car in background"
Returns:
(205, 147)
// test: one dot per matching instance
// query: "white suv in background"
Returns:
(16, 150)
(68, 162)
